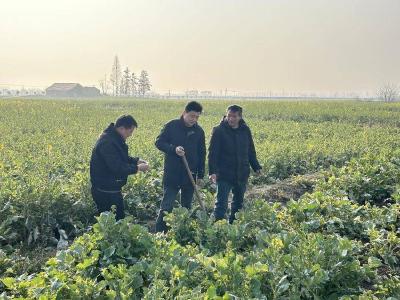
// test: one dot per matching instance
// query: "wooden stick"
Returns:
(196, 191)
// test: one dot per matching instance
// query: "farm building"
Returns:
(71, 90)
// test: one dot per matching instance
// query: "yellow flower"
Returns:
(373, 234)
(178, 273)
(392, 238)
(281, 216)
(277, 243)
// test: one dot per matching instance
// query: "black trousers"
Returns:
(168, 200)
(221, 204)
(104, 201)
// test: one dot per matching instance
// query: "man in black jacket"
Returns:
(231, 154)
(181, 137)
(111, 164)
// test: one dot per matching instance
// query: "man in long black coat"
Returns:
(181, 137)
(111, 164)
(231, 154)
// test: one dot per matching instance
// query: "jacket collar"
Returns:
(224, 122)
(113, 133)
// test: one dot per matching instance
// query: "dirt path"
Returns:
(283, 191)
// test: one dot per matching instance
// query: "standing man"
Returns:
(181, 137)
(110, 165)
(230, 156)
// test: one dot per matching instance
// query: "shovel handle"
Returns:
(196, 191)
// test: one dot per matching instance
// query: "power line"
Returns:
(21, 85)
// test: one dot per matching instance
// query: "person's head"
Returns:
(234, 115)
(125, 125)
(192, 113)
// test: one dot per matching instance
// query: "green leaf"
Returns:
(108, 252)
(8, 282)
(211, 292)
(374, 262)
(283, 285)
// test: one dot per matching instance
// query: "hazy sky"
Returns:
(246, 45)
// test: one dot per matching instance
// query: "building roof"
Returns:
(93, 88)
(63, 86)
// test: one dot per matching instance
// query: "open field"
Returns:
(339, 240)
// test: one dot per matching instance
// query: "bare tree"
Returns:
(115, 77)
(144, 83)
(104, 85)
(134, 85)
(126, 82)
(388, 93)
(121, 88)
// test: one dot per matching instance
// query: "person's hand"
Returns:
(143, 167)
(213, 178)
(180, 151)
(200, 182)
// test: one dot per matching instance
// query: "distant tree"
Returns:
(103, 83)
(121, 89)
(388, 92)
(144, 83)
(134, 85)
(115, 77)
(126, 82)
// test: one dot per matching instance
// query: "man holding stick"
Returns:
(181, 138)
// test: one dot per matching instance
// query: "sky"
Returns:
(242, 45)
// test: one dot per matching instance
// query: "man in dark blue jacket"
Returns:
(231, 154)
(181, 137)
(111, 164)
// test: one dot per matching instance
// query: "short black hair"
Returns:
(235, 108)
(194, 106)
(126, 121)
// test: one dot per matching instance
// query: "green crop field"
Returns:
(340, 240)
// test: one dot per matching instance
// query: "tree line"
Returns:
(124, 83)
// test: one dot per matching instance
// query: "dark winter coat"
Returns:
(175, 133)
(232, 152)
(110, 163)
